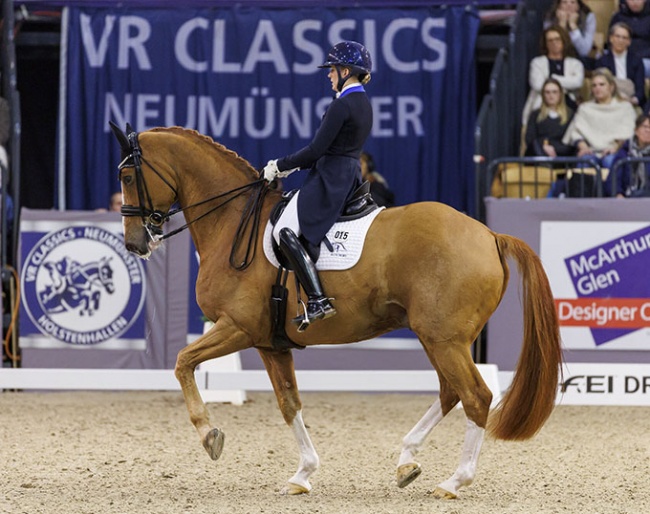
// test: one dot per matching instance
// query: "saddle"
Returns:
(358, 205)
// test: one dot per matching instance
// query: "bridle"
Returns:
(154, 219)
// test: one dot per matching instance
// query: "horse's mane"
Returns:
(239, 162)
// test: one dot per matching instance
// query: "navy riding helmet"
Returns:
(351, 54)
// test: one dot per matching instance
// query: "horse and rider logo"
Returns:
(81, 286)
(76, 286)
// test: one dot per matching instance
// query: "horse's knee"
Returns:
(182, 365)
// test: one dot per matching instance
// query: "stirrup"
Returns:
(318, 308)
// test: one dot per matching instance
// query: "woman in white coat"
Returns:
(555, 62)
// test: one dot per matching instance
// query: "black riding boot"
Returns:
(318, 305)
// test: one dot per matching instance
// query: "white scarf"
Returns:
(602, 126)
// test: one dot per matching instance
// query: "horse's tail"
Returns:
(530, 399)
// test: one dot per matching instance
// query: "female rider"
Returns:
(335, 172)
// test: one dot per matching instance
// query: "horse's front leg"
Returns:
(222, 339)
(279, 366)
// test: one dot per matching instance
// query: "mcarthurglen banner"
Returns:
(600, 281)
(248, 77)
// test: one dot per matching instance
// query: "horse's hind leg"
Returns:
(279, 366)
(222, 339)
(455, 364)
(407, 468)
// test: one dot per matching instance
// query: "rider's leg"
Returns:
(318, 305)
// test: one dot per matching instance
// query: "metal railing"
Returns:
(542, 177)
(617, 168)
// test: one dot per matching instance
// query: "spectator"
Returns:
(603, 123)
(547, 125)
(115, 204)
(575, 17)
(381, 193)
(626, 66)
(555, 62)
(633, 178)
(636, 15)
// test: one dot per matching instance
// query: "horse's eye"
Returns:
(127, 179)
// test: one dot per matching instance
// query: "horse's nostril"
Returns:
(133, 248)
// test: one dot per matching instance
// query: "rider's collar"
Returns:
(355, 87)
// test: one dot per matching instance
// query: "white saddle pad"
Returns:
(347, 240)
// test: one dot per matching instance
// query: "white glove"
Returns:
(270, 170)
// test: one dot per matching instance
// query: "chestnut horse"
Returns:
(424, 266)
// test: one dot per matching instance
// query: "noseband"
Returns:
(153, 219)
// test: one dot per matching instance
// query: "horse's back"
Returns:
(435, 234)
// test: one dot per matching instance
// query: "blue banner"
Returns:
(248, 77)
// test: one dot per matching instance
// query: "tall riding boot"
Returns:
(318, 305)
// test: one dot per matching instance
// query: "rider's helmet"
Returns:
(352, 55)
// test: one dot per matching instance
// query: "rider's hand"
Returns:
(271, 170)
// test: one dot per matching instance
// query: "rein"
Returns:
(153, 220)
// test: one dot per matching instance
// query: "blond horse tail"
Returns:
(530, 399)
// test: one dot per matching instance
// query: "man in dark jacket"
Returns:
(636, 15)
(621, 60)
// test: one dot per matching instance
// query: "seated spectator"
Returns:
(602, 124)
(555, 62)
(625, 65)
(575, 17)
(636, 15)
(115, 204)
(633, 178)
(547, 125)
(381, 193)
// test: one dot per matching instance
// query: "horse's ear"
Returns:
(121, 137)
(129, 129)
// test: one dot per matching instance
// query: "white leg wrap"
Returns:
(464, 474)
(415, 438)
(308, 457)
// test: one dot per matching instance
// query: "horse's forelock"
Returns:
(242, 163)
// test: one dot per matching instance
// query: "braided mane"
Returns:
(239, 162)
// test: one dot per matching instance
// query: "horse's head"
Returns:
(148, 194)
(105, 274)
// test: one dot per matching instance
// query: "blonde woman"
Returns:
(546, 126)
(602, 124)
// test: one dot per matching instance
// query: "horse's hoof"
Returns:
(213, 443)
(406, 473)
(292, 489)
(443, 494)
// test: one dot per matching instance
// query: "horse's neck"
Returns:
(214, 180)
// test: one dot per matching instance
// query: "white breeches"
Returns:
(288, 219)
